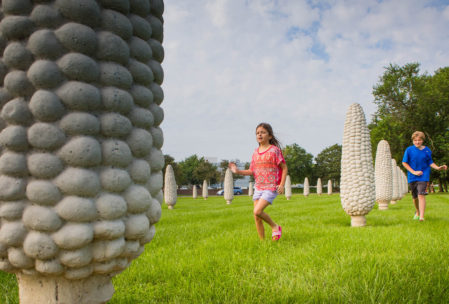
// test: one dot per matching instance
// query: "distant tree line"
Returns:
(406, 101)
(194, 169)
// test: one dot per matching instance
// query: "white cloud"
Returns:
(294, 63)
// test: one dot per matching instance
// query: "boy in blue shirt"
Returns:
(418, 161)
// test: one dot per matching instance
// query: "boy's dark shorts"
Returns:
(418, 188)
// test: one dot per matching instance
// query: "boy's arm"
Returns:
(443, 167)
(283, 177)
(407, 166)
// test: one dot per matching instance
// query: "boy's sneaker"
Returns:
(416, 217)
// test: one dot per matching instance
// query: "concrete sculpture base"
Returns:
(358, 221)
(383, 205)
(228, 202)
(170, 207)
(393, 202)
(57, 290)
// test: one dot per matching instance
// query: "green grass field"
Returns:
(206, 251)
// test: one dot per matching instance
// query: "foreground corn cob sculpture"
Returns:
(170, 187)
(228, 186)
(329, 187)
(306, 191)
(383, 173)
(319, 187)
(80, 143)
(205, 189)
(194, 192)
(357, 190)
(288, 187)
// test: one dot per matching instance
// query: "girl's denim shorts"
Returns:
(267, 195)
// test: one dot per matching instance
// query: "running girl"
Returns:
(269, 170)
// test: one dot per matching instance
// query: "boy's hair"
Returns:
(418, 134)
(273, 141)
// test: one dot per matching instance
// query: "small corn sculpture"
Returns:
(383, 175)
(194, 192)
(404, 181)
(329, 187)
(357, 189)
(319, 187)
(205, 190)
(170, 187)
(395, 183)
(80, 143)
(306, 191)
(288, 187)
(250, 189)
(228, 187)
(400, 182)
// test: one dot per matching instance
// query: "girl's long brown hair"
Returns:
(273, 141)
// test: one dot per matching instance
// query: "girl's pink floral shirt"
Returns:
(265, 168)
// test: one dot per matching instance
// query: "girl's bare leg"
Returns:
(259, 216)
(416, 203)
(422, 206)
(259, 225)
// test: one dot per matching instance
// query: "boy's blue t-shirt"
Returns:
(418, 160)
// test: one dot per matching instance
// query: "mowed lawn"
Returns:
(206, 251)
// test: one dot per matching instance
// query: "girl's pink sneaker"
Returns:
(276, 235)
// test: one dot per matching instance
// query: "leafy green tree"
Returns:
(299, 162)
(187, 167)
(206, 171)
(438, 118)
(397, 97)
(408, 101)
(328, 164)
(195, 170)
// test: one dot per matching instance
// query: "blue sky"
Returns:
(296, 64)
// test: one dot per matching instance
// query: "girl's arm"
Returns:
(433, 165)
(407, 166)
(235, 170)
(284, 176)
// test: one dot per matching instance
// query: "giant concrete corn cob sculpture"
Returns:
(170, 187)
(383, 175)
(306, 191)
(228, 186)
(329, 187)
(80, 143)
(288, 187)
(357, 188)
